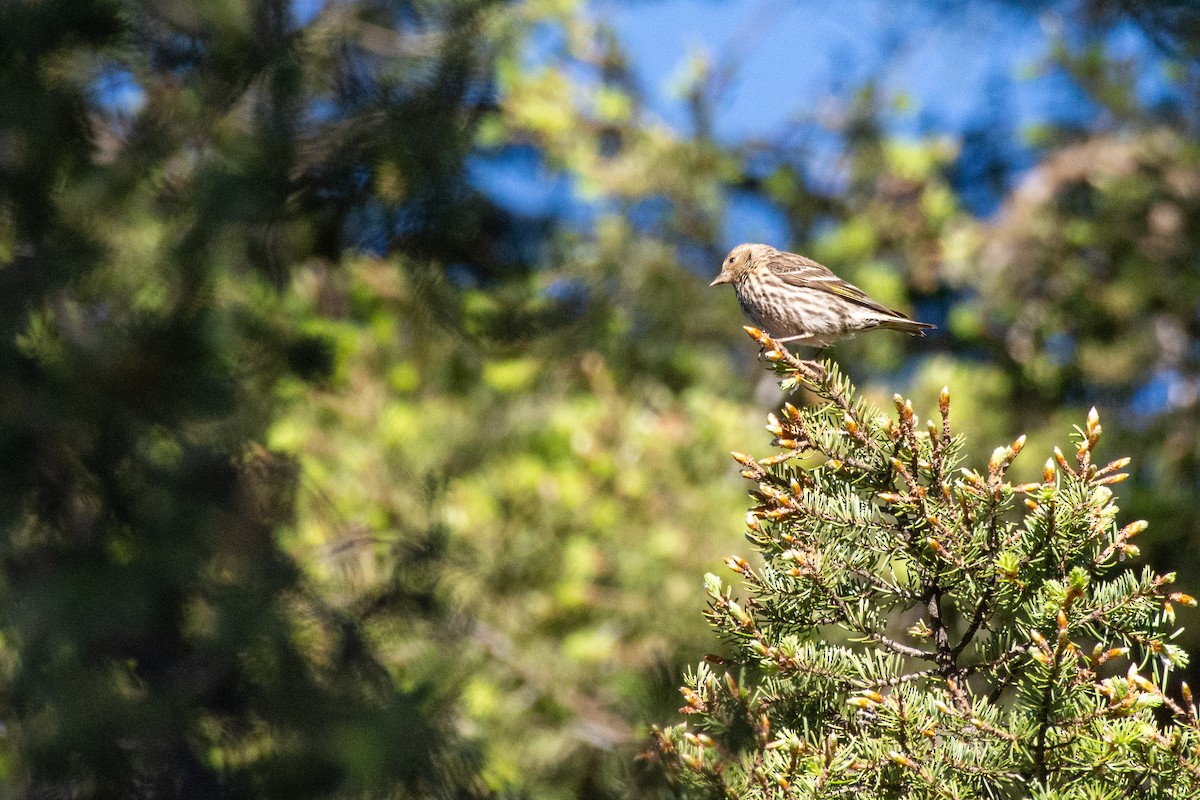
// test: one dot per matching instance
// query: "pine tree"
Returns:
(917, 630)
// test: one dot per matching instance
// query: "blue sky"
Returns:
(944, 68)
(789, 57)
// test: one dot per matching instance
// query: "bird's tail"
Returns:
(909, 326)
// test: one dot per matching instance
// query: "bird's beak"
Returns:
(724, 277)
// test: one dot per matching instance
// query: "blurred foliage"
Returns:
(158, 640)
(332, 463)
(530, 565)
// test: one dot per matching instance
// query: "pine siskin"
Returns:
(795, 299)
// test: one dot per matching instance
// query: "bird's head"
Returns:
(740, 260)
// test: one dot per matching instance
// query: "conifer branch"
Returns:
(877, 532)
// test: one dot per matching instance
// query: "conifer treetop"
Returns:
(916, 629)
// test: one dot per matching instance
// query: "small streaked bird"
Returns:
(795, 299)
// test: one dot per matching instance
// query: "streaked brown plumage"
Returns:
(795, 299)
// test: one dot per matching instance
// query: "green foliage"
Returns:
(920, 631)
(324, 474)
(158, 640)
(1088, 280)
(529, 533)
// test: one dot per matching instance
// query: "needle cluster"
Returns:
(914, 629)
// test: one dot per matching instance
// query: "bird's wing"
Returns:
(802, 272)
